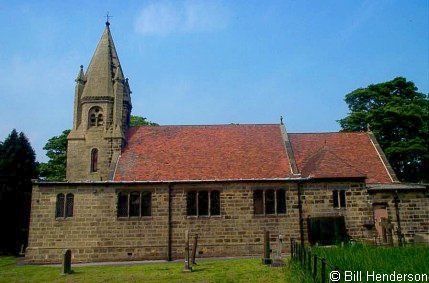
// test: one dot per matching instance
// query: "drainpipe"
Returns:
(301, 220)
(169, 225)
(398, 219)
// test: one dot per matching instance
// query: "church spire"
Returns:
(103, 67)
(102, 112)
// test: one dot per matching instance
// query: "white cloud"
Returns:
(185, 16)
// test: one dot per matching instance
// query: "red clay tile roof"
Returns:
(338, 155)
(224, 152)
(324, 164)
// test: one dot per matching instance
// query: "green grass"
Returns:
(232, 270)
(381, 260)
(410, 259)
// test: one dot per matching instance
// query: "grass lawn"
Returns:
(410, 259)
(231, 270)
(381, 260)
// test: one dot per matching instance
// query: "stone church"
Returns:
(131, 192)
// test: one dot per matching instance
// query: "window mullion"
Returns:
(140, 205)
(65, 206)
(263, 200)
(275, 202)
(129, 205)
(197, 206)
(209, 203)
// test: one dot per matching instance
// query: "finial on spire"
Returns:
(281, 120)
(81, 75)
(368, 128)
(107, 18)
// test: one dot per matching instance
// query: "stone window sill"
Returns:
(204, 216)
(270, 215)
(134, 218)
(63, 218)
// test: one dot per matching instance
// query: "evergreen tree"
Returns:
(17, 168)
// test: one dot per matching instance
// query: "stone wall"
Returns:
(413, 211)
(237, 231)
(95, 233)
(318, 202)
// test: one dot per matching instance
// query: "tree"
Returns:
(398, 116)
(18, 160)
(56, 147)
(17, 168)
(56, 150)
(141, 121)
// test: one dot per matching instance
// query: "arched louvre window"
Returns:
(100, 120)
(95, 117)
(92, 120)
(94, 160)
(59, 211)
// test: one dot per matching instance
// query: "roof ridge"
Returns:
(321, 133)
(211, 125)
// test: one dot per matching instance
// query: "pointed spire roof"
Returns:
(103, 67)
(81, 76)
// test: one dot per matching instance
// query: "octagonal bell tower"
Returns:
(101, 117)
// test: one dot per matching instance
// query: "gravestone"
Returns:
(267, 250)
(66, 267)
(194, 250)
(278, 260)
(387, 228)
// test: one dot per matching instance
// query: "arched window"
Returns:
(69, 205)
(59, 211)
(64, 206)
(94, 160)
(95, 117)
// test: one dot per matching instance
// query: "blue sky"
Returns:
(209, 62)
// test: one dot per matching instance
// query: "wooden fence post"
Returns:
(323, 270)
(315, 267)
(304, 254)
(194, 251)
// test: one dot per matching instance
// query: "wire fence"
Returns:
(313, 265)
